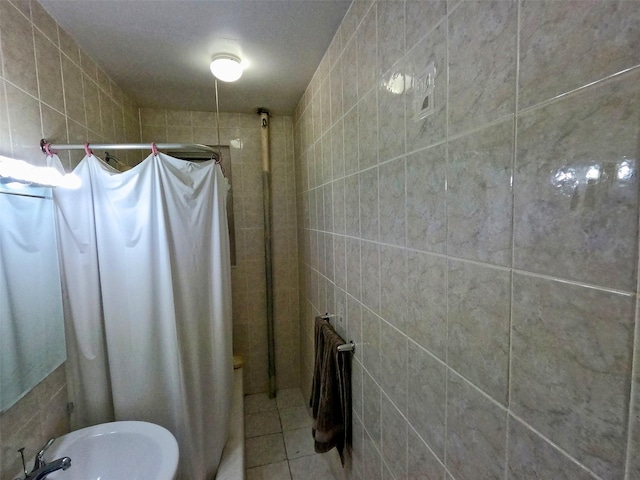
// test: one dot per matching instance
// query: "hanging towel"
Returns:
(330, 400)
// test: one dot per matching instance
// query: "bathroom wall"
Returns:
(484, 258)
(50, 88)
(242, 132)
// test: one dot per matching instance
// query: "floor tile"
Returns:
(299, 443)
(312, 467)
(273, 471)
(294, 417)
(260, 402)
(264, 450)
(290, 397)
(262, 423)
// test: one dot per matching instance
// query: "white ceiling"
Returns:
(158, 51)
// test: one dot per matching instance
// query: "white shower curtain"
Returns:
(146, 280)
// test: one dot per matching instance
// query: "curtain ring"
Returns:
(47, 149)
(217, 158)
(87, 150)
(154, 149)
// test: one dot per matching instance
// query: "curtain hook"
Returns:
(154, 149)
(217, 158)
(47, 149)
(87, 150)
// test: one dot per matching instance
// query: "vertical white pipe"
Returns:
(266, 189)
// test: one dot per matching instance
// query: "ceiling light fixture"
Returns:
(226, 67)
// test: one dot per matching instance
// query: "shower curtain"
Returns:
(147, 289)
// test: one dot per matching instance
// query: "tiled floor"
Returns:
(278, 444)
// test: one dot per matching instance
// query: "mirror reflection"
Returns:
(32, 344)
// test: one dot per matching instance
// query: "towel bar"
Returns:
(347, 347)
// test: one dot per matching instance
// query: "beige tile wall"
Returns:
(54, 90)
(485, 258)
(242, 132)
(38, 416)
(50, 88)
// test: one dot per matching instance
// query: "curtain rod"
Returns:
(126, 146)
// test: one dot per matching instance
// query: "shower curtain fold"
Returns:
(145, 261)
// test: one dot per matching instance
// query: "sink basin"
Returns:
(117, 451)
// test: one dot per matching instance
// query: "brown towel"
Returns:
(330, 400)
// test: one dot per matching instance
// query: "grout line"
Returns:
(513, 246)
(596, 83)
(492, 266)
(634, 393)
(37, 77)
(551, 443)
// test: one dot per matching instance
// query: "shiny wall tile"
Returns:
(425, 132)
(530, 456)
(501, 248)
(479, 199)
(566, 45)
(571, 361)
(576, 213)
(478, 326)
(476, 432)
(425, 199)
(16, 35)
(482, 63)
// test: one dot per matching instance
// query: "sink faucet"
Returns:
(41, 468)
(42, 472)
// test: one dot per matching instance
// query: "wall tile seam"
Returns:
(413, 341)
(440, 22)
(602, 82)
(415, 344)
(9, 82)
(447, 121)
(373, 443)
(14, 5)
(506, 117)
(513, 238)
(55, 41)
(344, 114)
(547, 440)
(347, 40)
(89, 78)
(634, 393)
(2, 73)
(568, 281)
(457, 5)
(477, 128)
(505, 409)
(338, 58)
(577, 283)
(415, 432)
(8, 117)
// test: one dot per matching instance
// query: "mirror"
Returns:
(32, 339)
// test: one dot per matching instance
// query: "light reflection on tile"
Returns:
(576, 213)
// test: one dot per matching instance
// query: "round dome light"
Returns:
(226, 67)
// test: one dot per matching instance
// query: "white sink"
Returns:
(117, 451)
